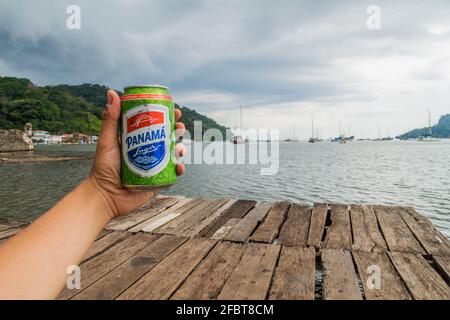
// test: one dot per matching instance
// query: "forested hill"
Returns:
(440, 130)
(65, 108)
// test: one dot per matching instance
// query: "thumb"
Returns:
(110, 120)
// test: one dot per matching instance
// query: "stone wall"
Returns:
(15, 140)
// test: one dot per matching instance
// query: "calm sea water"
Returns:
(392, 172)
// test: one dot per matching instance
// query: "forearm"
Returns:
(33, 264)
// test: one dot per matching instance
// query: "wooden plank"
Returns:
(103, 233)
(423, 282)
(141, 216)
(268, 230)
(105, 243)
(174, 226)
(238, 210)
(117, 281)
(245, 226)
(318, 219)
(425, 232)
(251, 278)
(194, 224)
(197, 229)
(9, 232)
(339, 276)
(207, 280)
(371, 265)
(162, 281)
(296, 228)
(225, 229)
(97, 267)
(396, 233)
(295, 275)
(5, 225)
(339, 233)
(423, 219)
(443, 263)
(152, 202)
(160, 197)
(157, 221)
(366, 234)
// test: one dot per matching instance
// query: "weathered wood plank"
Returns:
(251, 278)
(443, 263)
(208, 278)
(162, 281)
(103, 233)
(423, 282)
(366, 235)
(152, 202)
(5, 225)
(296, 228)
(423, 219)
(396, 233)
(389, 285)
(193, 226)
(118, 280)
(9, 232)
(225, 229)
(141, 216)
(174, 226)
(160, 219)
(295, 275)
(425, 232)
(197, 229)
(339, 279)
(105, 243)
(318, 219)
(339, 233)
(245, 227)
(97, 267)
(268, 230)
(238, 210)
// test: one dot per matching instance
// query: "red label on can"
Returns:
(144, 119)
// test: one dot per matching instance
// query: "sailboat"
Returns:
(341, 139)
(293, 139)
(312, 139)
(238, 139)
(429, 137)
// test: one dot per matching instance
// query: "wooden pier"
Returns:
(184, 248)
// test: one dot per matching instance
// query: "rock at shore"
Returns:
(16, 140)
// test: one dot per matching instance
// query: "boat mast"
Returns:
(312, 126)
(430, 131)
(240, 116)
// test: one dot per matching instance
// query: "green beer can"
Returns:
(147, 131)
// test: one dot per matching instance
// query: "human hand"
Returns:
(105, 172)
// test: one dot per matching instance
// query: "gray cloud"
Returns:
(294, 57)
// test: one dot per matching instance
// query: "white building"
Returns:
(53, 139)
(40, 136)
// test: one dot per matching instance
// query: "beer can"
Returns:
(147, 131)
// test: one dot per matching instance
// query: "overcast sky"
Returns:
(283, 61)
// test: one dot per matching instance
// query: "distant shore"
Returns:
(30, 156)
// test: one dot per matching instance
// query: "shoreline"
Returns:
(31, 157)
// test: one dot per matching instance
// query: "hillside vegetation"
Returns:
(440, 130)
(66, 108)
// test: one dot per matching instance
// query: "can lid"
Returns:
(147, 86)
